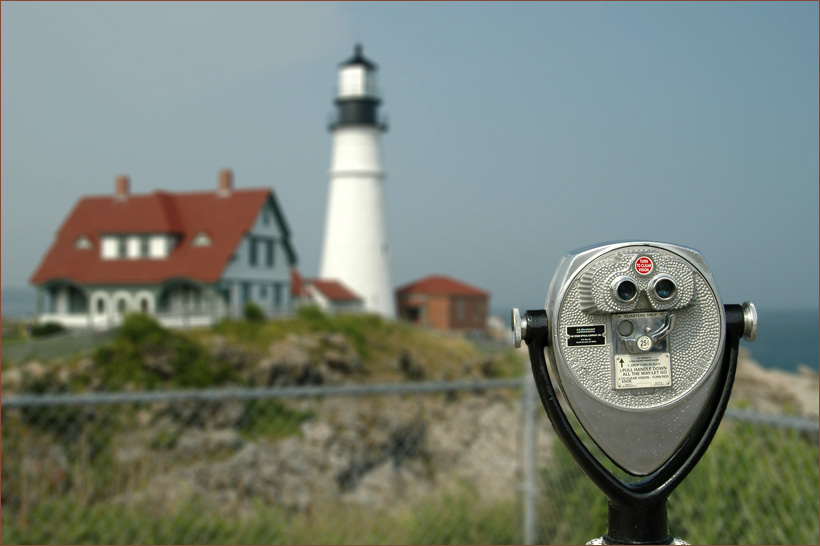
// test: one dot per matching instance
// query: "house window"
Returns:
(144, 305)
(460, 309)
(100, 306)
(263, 292)
(144, 246)
(269, 249)
(122, 247)
(121, 306)
(108, 248)
(252, 243)
(277, 293)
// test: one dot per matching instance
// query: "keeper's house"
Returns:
(186, 258)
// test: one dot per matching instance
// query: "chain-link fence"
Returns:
(423, 463)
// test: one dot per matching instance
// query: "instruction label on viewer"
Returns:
(640, 371)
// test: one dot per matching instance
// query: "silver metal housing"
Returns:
(640, 422)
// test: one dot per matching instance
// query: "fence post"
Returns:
(529, 486)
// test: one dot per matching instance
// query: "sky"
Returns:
(518, 131)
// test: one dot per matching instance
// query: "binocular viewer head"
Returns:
(634, 334)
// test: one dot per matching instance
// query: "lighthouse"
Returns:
(355, 249)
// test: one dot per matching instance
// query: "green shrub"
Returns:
(358, 328)
(145, 355)
(313, 317)
(139, 328)
(253, 313)
(270, 418)
(46, 329)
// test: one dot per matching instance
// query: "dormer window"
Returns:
(201, 239)
(137, 246)
(109, 249)
(82, 243)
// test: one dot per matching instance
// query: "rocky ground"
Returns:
(775, 391)
(377, 453)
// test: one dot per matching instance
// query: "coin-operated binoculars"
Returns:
(643, 353)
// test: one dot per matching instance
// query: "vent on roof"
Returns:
(82, 243)
(225, 183)
(201, 239)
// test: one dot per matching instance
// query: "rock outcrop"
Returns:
(382, 452)
(378, 452)
(776, 391)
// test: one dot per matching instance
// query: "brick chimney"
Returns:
(122, 187)
(225, 183)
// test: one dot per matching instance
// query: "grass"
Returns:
(379, 342)
(451, 518)
(270, 419)
(59, 347)
(182, 359)
(755, 485)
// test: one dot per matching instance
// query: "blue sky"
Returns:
(518, 131)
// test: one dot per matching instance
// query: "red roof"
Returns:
(224, 218)
(297, 284)
(440, 285)
(334, 290)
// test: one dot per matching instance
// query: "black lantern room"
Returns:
(358, 100)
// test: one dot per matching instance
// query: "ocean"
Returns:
(785, 338)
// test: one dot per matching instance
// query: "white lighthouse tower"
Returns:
(355, 246)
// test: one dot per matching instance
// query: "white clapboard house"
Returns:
(186, 258)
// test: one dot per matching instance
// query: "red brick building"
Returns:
(443, 303)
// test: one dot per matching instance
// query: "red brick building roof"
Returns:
(223, 217)
(440, 285)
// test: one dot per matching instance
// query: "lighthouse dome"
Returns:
(357, 77)
(359, 59)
